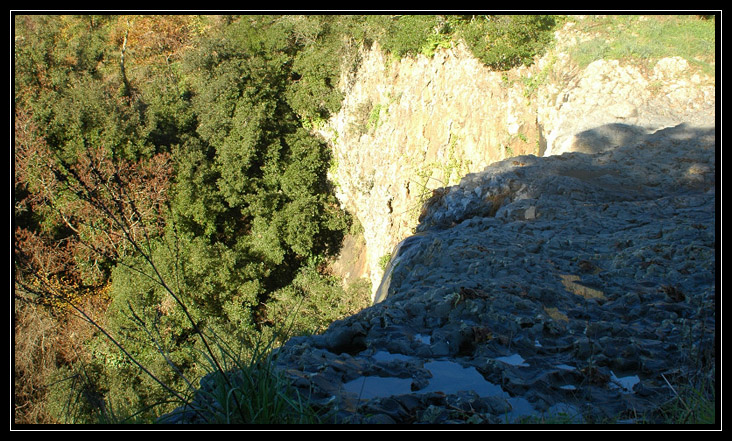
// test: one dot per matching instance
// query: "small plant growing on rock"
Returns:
(384, 261)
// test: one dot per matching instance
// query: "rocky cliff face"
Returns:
(408, 129)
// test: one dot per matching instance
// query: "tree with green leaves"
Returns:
(503, 42)
(250, 207)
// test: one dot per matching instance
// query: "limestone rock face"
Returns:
(409, 129)
(607, 92)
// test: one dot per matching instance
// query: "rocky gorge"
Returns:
(550, 235)
(413, 126)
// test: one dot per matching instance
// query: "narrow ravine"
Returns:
(409, 128)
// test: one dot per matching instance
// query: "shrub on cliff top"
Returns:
(506, 41)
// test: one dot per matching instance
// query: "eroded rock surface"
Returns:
(566, 284)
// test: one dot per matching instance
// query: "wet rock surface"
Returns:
(570, 285)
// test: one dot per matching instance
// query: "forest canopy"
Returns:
(169, 191)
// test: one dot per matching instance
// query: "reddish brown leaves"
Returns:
(88, 210)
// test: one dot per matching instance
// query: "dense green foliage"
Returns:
(164, 173)
(503, 42)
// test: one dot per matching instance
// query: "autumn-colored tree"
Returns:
(152, 38)
(79, 235)
(89, 214)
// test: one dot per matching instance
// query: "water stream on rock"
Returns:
(396, 256)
